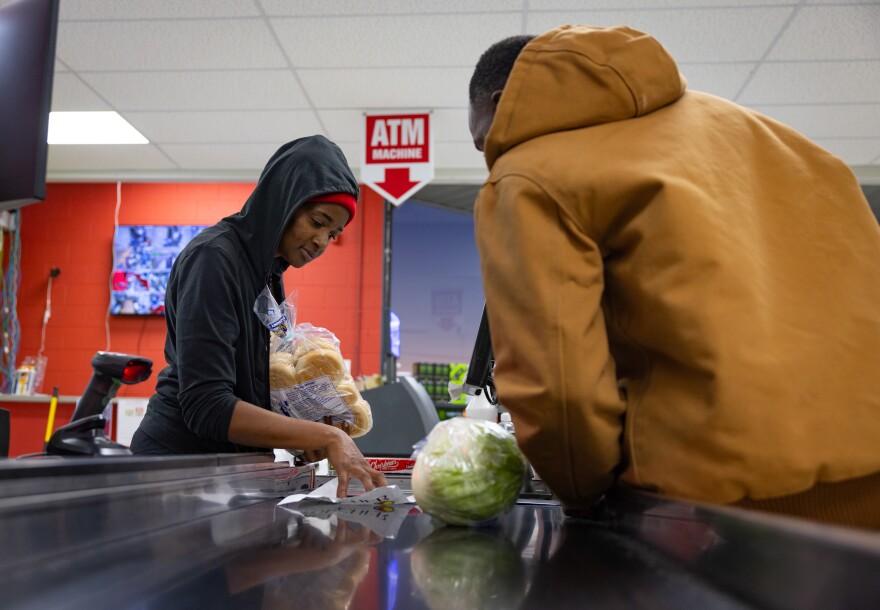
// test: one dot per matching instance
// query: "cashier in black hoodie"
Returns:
(213, 396)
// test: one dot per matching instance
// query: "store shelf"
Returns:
(36, 398)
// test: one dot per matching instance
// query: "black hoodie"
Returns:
(216, 348)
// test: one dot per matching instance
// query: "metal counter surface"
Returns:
(200, 536)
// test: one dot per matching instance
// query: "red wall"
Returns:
(73, 230)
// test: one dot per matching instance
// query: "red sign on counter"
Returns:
(391, 464)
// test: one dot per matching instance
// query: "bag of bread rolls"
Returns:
(360, 408)
(278, 318)
(308, 380)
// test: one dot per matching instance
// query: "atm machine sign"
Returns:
(398, 154)
(398, 139)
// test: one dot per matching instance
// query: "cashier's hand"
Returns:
(350, 464)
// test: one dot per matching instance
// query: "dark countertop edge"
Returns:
(45, 466)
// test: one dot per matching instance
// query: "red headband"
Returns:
(344, 199)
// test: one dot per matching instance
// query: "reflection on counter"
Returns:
(290, 560)
(433, 566)
(293, 561)
(316, 569)
(468, 568)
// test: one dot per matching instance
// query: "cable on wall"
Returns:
(9, 323)
(53, 273)
(113, 266)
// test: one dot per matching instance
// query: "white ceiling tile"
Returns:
(827, 121)
(840, 1)
(154, 9)
(343, 125)
(199, 90)
(228, 126)
(831, 32)
(168, 45)
(106, 158)
(451, 125)
(852, 151)
(249, 157)
(816, 82)
(391, 88)
(459, 155)
(346, 8)
(683, 5)
(352, 152)
(737, 34)
(723, 80)
(70, 93)
(441, 40)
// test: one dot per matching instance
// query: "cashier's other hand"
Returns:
(350, 464)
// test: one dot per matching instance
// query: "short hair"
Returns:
(495, 64)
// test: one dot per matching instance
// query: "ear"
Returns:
(496, 95)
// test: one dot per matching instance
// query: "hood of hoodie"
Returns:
(298, 171)
(576, 76)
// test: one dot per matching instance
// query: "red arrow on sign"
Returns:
(396, 182)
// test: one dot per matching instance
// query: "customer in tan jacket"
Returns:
(683, 294)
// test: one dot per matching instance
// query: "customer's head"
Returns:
(315, 224)
(487, 83)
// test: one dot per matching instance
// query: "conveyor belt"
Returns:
(207, 532)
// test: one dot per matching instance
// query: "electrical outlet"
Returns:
(7, 220)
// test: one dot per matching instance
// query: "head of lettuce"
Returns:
(468, 472)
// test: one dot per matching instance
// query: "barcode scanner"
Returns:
(85, 434)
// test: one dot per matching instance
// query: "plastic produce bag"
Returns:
(468, 471)
(308, 378)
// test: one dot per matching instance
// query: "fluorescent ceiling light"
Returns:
(92, 128)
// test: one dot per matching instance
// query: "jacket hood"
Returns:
(298, 171)
(577, 76)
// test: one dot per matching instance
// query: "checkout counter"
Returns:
(207, 532)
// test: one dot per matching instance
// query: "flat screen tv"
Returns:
(142, 259)
(28, 31)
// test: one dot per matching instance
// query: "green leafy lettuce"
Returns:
(469, 471)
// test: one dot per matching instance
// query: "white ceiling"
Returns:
(217, 85)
